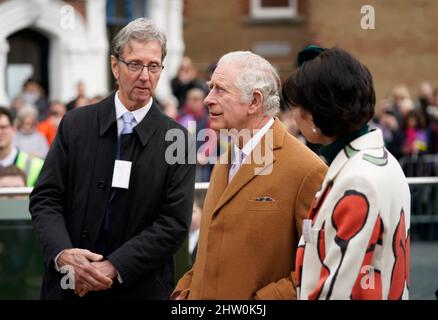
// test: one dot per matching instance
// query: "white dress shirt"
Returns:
(139, 114)
(248, 147)
(193, 240)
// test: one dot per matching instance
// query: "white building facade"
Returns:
(79, 48)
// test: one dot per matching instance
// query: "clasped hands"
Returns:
(91, 272)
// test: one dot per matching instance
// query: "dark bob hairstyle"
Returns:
(335, 88)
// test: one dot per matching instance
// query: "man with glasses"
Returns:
(10, 155)
(109, 211)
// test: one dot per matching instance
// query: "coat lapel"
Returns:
(106, 110)
(220, 177)
(251, 167)
(146, 128)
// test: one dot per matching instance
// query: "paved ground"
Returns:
(424, 270)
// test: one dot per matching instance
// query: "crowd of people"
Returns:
(29, 127)
(409, 124)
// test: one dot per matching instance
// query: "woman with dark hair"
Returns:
(355, 242)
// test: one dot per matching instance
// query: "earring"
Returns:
(313, 129)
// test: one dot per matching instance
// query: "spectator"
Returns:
(79, 99)
(405, 107)
(432, 115)
(185, 80)
(33, 94)
(169, 106)
(49, 127)
(386, 120)
(432, 109)
(399, 107)
(195, 111)
(12, 177)
(416, 139)
(27, 138)
(15, 106)
(10, 155)
(425, 98)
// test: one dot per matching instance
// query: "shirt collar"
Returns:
(139, 114)
(10, 159)
(252, 143)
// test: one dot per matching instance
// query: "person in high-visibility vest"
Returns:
(10, 155)
(30, 165)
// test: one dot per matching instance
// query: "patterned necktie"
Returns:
(128, 120)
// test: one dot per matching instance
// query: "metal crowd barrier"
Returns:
(424, 193)
(420, 165)
(203, 186)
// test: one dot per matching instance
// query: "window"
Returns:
(273, 9)
(121, 12)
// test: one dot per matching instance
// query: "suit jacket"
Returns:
(358, 245)
(149, 221)
(246, 247)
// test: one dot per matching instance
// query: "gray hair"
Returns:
(26, 111)
(256, 73)
(142, 30)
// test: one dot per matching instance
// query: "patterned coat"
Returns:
(357, 244)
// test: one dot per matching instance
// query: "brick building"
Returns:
(403, 47)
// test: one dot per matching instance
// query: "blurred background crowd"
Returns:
(409, 121)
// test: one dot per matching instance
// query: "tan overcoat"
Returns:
(247, 242)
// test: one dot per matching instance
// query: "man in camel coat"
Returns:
(253, 211)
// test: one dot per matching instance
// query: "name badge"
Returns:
(307, 227)
(122, 174)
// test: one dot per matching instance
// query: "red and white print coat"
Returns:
(358, 244)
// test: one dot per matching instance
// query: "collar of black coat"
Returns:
(146, 127)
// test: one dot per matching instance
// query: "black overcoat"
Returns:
(149, 221)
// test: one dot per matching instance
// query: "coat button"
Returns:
(84, 234)
(100, 184)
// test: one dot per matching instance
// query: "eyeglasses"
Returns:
(136, 67)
